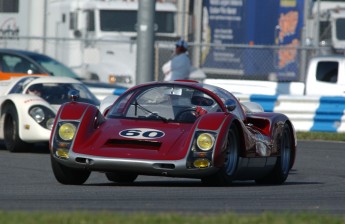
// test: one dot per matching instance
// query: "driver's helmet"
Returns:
(201, 99)
(35, 89)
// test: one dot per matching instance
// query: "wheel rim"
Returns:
(232, 154)
(286, 151)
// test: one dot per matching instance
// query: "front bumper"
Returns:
(172, 168)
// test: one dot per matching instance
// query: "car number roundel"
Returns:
(141, 133)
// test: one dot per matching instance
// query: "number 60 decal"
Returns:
(141, 133)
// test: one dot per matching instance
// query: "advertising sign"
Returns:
(252, 23)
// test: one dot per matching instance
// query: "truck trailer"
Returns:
(95, 38)
(269, 39)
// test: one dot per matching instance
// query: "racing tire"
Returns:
(68, 176)
(121, 177)
(281, 169)
(12, 141)
(227, 173)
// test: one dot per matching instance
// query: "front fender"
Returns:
(29, 129)
(218, 123)
(87, 116)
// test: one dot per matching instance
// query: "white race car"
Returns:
(28, 106)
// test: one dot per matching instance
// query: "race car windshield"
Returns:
(167, 103)
(57, 93)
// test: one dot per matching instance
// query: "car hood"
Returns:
(123, 138)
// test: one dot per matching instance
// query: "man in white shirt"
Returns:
(179, 67)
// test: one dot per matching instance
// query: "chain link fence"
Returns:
(223, 61)
(238, 61)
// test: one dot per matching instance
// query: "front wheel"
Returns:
(227, 173)
(67, 175)
(281, 169)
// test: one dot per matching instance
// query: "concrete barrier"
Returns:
(308, 113)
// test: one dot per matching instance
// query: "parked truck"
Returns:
(325, 26)
(260, 39)
(95, 38)
(324, 77)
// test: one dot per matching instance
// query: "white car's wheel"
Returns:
(13, 143)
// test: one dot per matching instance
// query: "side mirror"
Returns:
(230, 104)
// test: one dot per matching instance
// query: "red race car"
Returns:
(177, 129)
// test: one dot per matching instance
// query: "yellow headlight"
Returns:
(205, 141)
(67, 131)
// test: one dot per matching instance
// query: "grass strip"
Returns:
(166, 218)
(324, 136)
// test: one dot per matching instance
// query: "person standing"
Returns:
(179, 67)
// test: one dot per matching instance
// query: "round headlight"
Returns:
(67, 131)
(205, 141)
(37, 114)
(50, 123)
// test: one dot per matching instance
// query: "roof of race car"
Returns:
(190, 83)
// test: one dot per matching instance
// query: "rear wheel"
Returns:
(12, 141)
(227, 173)
(282, 167)
(121, 177)
(67, 175)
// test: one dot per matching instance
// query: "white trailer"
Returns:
(95, 38)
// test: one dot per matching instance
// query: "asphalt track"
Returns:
(316, 184)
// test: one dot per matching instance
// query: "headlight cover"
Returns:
(37, 113)
(205, 141)
(42, 115)
(67, 131)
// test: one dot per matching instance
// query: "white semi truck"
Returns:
(95, 38)
(325, 26)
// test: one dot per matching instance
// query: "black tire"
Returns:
(12, 141)
(227, 173)
(121, 177)
(67, 175)
(281, 169)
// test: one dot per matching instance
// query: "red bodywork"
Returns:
(110, 140)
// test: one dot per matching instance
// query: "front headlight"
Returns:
(67, 131)
(205, 141)
(50, 123)
(37, 114)
(42, 115)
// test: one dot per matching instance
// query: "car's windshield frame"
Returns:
(164, 103)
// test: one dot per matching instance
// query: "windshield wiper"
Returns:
(136, 104)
